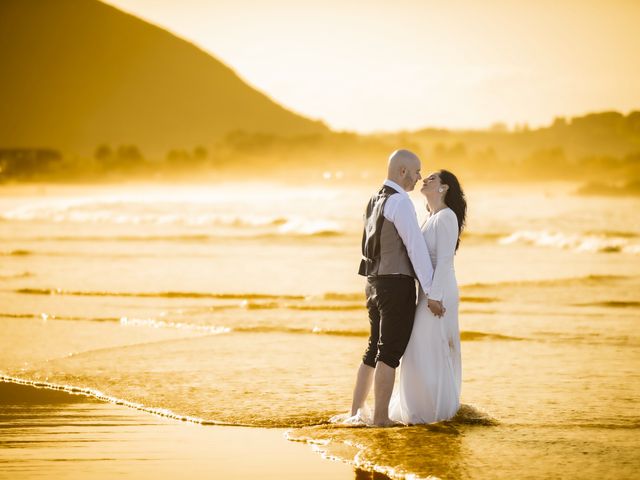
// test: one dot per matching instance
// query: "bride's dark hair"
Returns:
(454, 199)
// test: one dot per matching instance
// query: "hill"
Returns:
(80, 73)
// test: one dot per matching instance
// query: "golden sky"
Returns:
(381, 65)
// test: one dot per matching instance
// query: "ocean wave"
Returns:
(567, 281)
(468, 335)
(17, 253)
(131, 213)
(192, 238)
(252, 305)
(422, 451)
(43, 390)
(482, 236)
(603, 243)
(106, 293)
(300, 227)
(465, 335)
(210, 329)
(19, 315)
(350, 301)
(351, 297)
(613, 233)
(417, 451)
(97, 394)
(466, 415)
(46, 316)
(119, 213)
(316, 330)
(471, 299)
(313, 418)
(196, 237)
(588, 338)
(247, 301)
(610, 304)
(153, 323)
(214, 329)
(360, 297)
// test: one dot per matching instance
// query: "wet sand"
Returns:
(55, 434)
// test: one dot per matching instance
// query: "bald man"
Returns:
(394, 254)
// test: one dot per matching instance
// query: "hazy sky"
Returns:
(383, 65)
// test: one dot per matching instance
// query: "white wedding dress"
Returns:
(430, 373)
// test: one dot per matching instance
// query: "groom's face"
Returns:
(412, 176)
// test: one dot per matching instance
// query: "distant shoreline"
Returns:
(328, 178)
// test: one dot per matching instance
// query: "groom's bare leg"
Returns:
(364, 380)
(383, 381)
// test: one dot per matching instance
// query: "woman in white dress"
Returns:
(428, 388)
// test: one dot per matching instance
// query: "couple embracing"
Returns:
(423, 338)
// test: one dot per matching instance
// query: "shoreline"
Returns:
(57, 433)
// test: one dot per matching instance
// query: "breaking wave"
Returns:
(227, 225)
(603, 242)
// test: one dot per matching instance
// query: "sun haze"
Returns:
(410, 64)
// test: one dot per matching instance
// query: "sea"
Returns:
(238, 303)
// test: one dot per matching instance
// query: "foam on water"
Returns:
(463, 447)
(241, 296)
(172, 215)
(586, 280)
(270, 330)
(220, 329)
(146, 322)
(97, 394)
(605, 243)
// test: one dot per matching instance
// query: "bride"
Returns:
(430, 376)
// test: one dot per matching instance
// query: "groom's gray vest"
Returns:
(383, 251)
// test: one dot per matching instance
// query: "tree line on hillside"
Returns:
(596, 147)
(235, 151)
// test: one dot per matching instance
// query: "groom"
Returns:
(394, 254)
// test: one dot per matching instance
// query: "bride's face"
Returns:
(431, 184)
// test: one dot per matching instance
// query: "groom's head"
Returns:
(404, 169)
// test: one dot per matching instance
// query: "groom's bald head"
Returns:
(404, 169)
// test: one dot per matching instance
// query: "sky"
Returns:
(371, 66)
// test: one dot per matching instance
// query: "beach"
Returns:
(197, 329)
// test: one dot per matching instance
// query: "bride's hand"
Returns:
(436, 307)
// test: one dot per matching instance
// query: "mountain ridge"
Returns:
(96, 75)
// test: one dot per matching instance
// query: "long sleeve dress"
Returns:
(430, 376)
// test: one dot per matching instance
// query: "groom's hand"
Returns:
(436, 307)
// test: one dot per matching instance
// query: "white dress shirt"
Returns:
(400, 211)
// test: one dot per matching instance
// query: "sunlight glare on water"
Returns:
(240, 303)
